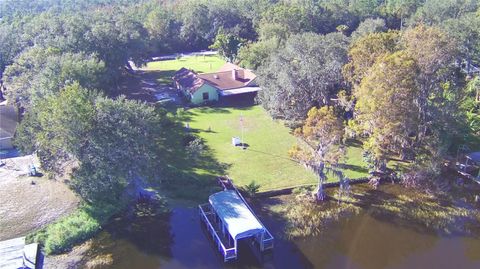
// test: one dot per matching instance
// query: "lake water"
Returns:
(178, 240)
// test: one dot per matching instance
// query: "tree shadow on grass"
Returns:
(352, 167)
(160, 76)
(273, 155)
(184, 176)
(354, 143)
(212, 110)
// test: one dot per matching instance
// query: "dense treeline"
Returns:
(390, 69)
(402, 84)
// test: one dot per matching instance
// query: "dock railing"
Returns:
(228, 253)
(268, 239)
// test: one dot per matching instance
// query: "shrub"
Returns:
(187, 138)
(195, 148)
(252, 189)
(302, 190)
(62, 235)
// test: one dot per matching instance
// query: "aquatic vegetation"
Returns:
(393, 203)
(431, 214)
(305, 217)
(100, 261)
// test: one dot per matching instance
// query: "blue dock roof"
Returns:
(237, 217)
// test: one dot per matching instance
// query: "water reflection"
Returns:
(177, 240)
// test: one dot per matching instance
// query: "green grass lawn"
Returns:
(164, 70)
(266, 160)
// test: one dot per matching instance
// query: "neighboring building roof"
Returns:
(11, 253)
(188, 79)
(474, 156)
(228, 77)
(8, 121)
(237, 217)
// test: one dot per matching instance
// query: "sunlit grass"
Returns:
(266, 159)
(163, 71)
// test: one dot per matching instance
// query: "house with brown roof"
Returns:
(230, 81)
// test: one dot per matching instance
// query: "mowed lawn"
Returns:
(164, 70)
(266, 159)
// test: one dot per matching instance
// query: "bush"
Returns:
(187, 138)
(303, 190)
(79, 226)
(252, 189)
(195, 148)
(61, 236)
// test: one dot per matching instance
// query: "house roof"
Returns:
(228, 77)
(246, 73)
(188, 79)
(225, 80)
(8, 121)
(238, 219)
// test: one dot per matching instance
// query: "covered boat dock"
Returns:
(228, 218)
(468, 166)
(472, 165)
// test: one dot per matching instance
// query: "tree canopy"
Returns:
(110, 140)
(304, 73)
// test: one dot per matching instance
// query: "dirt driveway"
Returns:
(28, 203)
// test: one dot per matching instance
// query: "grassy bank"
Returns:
(62, 235)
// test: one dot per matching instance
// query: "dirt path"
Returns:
(28, 203)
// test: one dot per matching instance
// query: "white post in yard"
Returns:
(241, 126)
